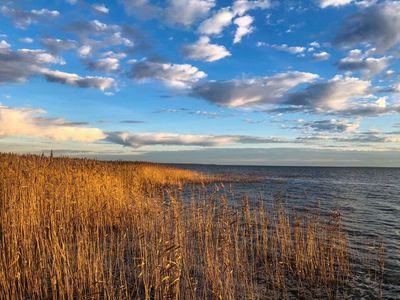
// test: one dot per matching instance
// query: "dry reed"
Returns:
(84, 229)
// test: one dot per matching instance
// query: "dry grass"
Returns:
(83, 229)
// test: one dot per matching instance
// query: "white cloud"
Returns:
(333, 125)
(84, 29)
(243, 27)
(216, 23)
(101, 83)
(58, 45)
(85, 50)
(321, 56)
(96, 36)
(368, 66)
(334, 3)
(261, 44)
(29, 122)
(381, 102)
(223, 18)
(240, 7)
(390, 73)
(99, 26)
(107, 64)
(26, 40)
(289, 49)
(186, 12)
(175, 75)
(261, 91)
(17, 66)
(142, 9)
(315, 44)
(339, 3)
(365, 3)
(175, 12)
(4, 45)
(335, 94)
(203, 50)
(100, 8)
(22, 19)
(41, 56)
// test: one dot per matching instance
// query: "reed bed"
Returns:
(84, 229)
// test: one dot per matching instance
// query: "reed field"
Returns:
(86, 229)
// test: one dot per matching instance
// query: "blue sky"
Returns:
(311, 82)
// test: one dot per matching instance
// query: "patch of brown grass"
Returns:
(84, 229)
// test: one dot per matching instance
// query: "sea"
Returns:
(368, 200)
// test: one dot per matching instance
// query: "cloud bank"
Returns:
(29, 122)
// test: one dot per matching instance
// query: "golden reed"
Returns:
(85, 229)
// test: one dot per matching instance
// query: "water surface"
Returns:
(367, 198)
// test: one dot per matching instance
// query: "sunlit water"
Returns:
(367, 198)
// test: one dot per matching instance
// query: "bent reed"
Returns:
(86, 229)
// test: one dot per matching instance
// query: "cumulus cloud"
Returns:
(31, 123)
(17, 66)
(334, 3)
(216, 23)
(243, 27)
(107, 64)
(58, 45)
(221, 19)
(186, 12)
(203, 50)
(41, 56)
(323, 129)
(26, 40)
(240, 7)
(175, 75)
(181, 12)
(84, 29)
(315, 44)
(333, 125)
(96, 36)
(320, 56)
(368, 66)
(259, 91)
(377, 25)
(100, 8)
(23, 19)
(289, 49)
(343, 96)
(101, 83)
(85, 51)
(334, 94)
(142, 8)
(4, 44)
(137, 140)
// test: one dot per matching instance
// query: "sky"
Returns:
(259, 82)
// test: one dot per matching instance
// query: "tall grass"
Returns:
(84, 229)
